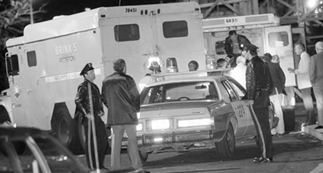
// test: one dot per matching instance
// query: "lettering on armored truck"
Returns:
(67, 59)
(65, 49)
(131, 10)
(231, 20)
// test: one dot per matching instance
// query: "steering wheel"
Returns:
(183, 98)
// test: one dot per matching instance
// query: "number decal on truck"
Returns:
(131, 10)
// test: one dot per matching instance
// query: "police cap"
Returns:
(86, 68)
(250, 47)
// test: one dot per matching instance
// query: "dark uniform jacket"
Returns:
(278, 78)
(242, 40)
(121, 96)
(82, 98)
(257, 78)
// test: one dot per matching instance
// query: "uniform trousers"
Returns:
(260, 116)
(102, 142)
(117, 134)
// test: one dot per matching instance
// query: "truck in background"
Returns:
(264, 31)
(44, 64)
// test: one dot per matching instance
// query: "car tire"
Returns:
(64, 128)
(226, 147)
(143, 155)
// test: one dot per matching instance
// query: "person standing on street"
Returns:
(316, 77)
(259, 86)
(303, 81)
(278, 79)
(121, 96)
(83, 109)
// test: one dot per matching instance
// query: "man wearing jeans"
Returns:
(316, 77)
(121, 96)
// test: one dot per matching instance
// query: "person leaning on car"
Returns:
(121, 96)
(259, 86)
(83, 109)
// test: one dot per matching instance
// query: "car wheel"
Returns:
(226, 147)
(143, 155)
(64, 127)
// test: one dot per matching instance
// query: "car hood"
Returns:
(173, 108)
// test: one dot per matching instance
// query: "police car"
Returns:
(193, 109)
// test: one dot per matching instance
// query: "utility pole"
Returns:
(31, 12)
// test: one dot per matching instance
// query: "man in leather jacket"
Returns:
(234, 44)
(121, 96)
(259, 86)
(83, 109)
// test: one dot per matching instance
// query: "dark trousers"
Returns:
(260, 118)
(102, 142)
(308, 104)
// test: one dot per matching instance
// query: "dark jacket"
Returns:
(242, 40)
(278, 78)
(121, 96)
(82, 98)
(257, 78)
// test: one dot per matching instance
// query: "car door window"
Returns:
(230, 90)
(239, 90)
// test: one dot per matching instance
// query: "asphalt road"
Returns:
(296, 152)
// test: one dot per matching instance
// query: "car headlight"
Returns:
(139, 127)
(194, 122)
(160, 124)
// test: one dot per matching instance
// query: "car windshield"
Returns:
(176, 92)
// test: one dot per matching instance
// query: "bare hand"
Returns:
(291, 70)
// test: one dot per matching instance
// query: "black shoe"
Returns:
(142, 171)
(319, 127)
(262, 160)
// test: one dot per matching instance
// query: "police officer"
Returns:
(83, 109)
(259, 86)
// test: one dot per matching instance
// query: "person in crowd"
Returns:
(316, 78)
(83, 109)
(221, 63)
(239, 72)
(121, 97)
(233, 46)
(154, 68)
(193, 65)
(259, 86)
(303, 81)
(278, 79)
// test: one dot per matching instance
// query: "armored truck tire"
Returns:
(64, 128)
(225, 148)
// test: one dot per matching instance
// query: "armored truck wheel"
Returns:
(226, 147)
(63, 126)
